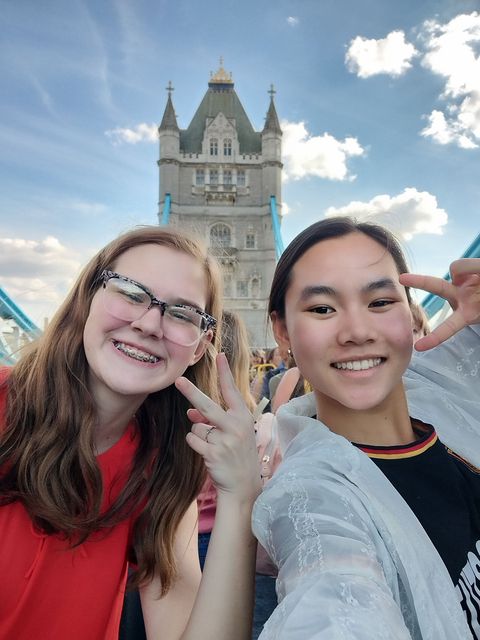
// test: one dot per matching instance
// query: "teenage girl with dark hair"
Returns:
(100, 464)
(373, 517)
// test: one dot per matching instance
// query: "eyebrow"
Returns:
(181, 301)
(325, 290)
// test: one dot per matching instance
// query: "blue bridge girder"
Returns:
(432, 303)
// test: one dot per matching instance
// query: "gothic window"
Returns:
(255, 283)
(213, 147)
(250, 241)
(200, 177)
(227, 286)
(227, 147)
(227, 177)
(242, 289)
(220, 235)
(213, 176)
(241, 178)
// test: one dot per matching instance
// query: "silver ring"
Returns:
(209, 431)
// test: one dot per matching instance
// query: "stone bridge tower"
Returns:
(222, 179)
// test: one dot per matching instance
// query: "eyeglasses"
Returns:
(129, 300)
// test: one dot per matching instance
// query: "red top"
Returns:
(51, 592)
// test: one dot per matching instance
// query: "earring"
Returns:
(289, 351)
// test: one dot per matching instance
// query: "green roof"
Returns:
(220, 98)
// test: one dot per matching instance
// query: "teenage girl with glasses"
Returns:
(373, 518)
(100, 465)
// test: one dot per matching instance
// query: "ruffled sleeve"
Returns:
(333, 566)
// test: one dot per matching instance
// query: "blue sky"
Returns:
(379, 101)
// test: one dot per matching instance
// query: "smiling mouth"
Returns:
(358, 365)
(136, 354)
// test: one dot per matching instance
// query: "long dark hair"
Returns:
(47, 458)
(326, 230)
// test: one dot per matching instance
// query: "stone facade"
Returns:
(220, 175)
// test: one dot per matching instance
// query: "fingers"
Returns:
(437, 286)
(452, 325)
(465, 266)
(209, 410)
(230, 393)
(194, 415)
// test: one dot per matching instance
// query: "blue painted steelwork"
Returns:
(433, 303)
(10, 311)
(276, 227)
(5, 357)
(166, 209)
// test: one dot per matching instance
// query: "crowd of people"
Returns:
(159, 479)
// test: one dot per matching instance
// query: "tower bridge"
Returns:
(16, 329)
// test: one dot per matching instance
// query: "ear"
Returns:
(201, 347)
(280, 330)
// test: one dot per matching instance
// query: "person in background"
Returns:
(277, 357)
(421, 325)
(105, 426)
(381, 463)
(271, 361)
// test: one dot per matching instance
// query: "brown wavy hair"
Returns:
(235, 345)
(47, 454)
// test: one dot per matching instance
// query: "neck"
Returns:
(112, 417)
(387, 424)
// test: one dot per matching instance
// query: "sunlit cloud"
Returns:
(391, 55)
(408, 214)
(322, 156)
(142, 132)
(37, 273)
(292, 21)
(452, 52)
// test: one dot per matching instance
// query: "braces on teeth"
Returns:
(137, 355)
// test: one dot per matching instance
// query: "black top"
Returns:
(443, 491)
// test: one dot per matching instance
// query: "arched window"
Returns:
(213, 147)
(255, 284)
(227, 147)
(220, 235)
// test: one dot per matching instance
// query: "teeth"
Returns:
(358, 365)
(136, 354)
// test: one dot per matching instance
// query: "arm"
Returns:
(285, 388)
(333, 566)
(222, 607)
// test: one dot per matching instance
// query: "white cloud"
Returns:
(37, 273)
(322, 156)
(407, 214)
(452, 52)
(391, 55)
(292, 21)
(142, 132)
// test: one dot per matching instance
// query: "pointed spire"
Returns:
(169, 120)
(272, 122)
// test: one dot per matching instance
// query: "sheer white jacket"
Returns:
(354, 562)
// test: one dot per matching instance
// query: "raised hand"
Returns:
(225, 439)
(463, 294)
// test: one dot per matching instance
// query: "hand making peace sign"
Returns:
(225, 439)
(463, 294)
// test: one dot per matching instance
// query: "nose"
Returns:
(356, 327)
(151, 323)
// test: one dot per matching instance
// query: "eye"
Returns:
(378, 304)
(130, 294)
(322, 309)
(183, 314)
